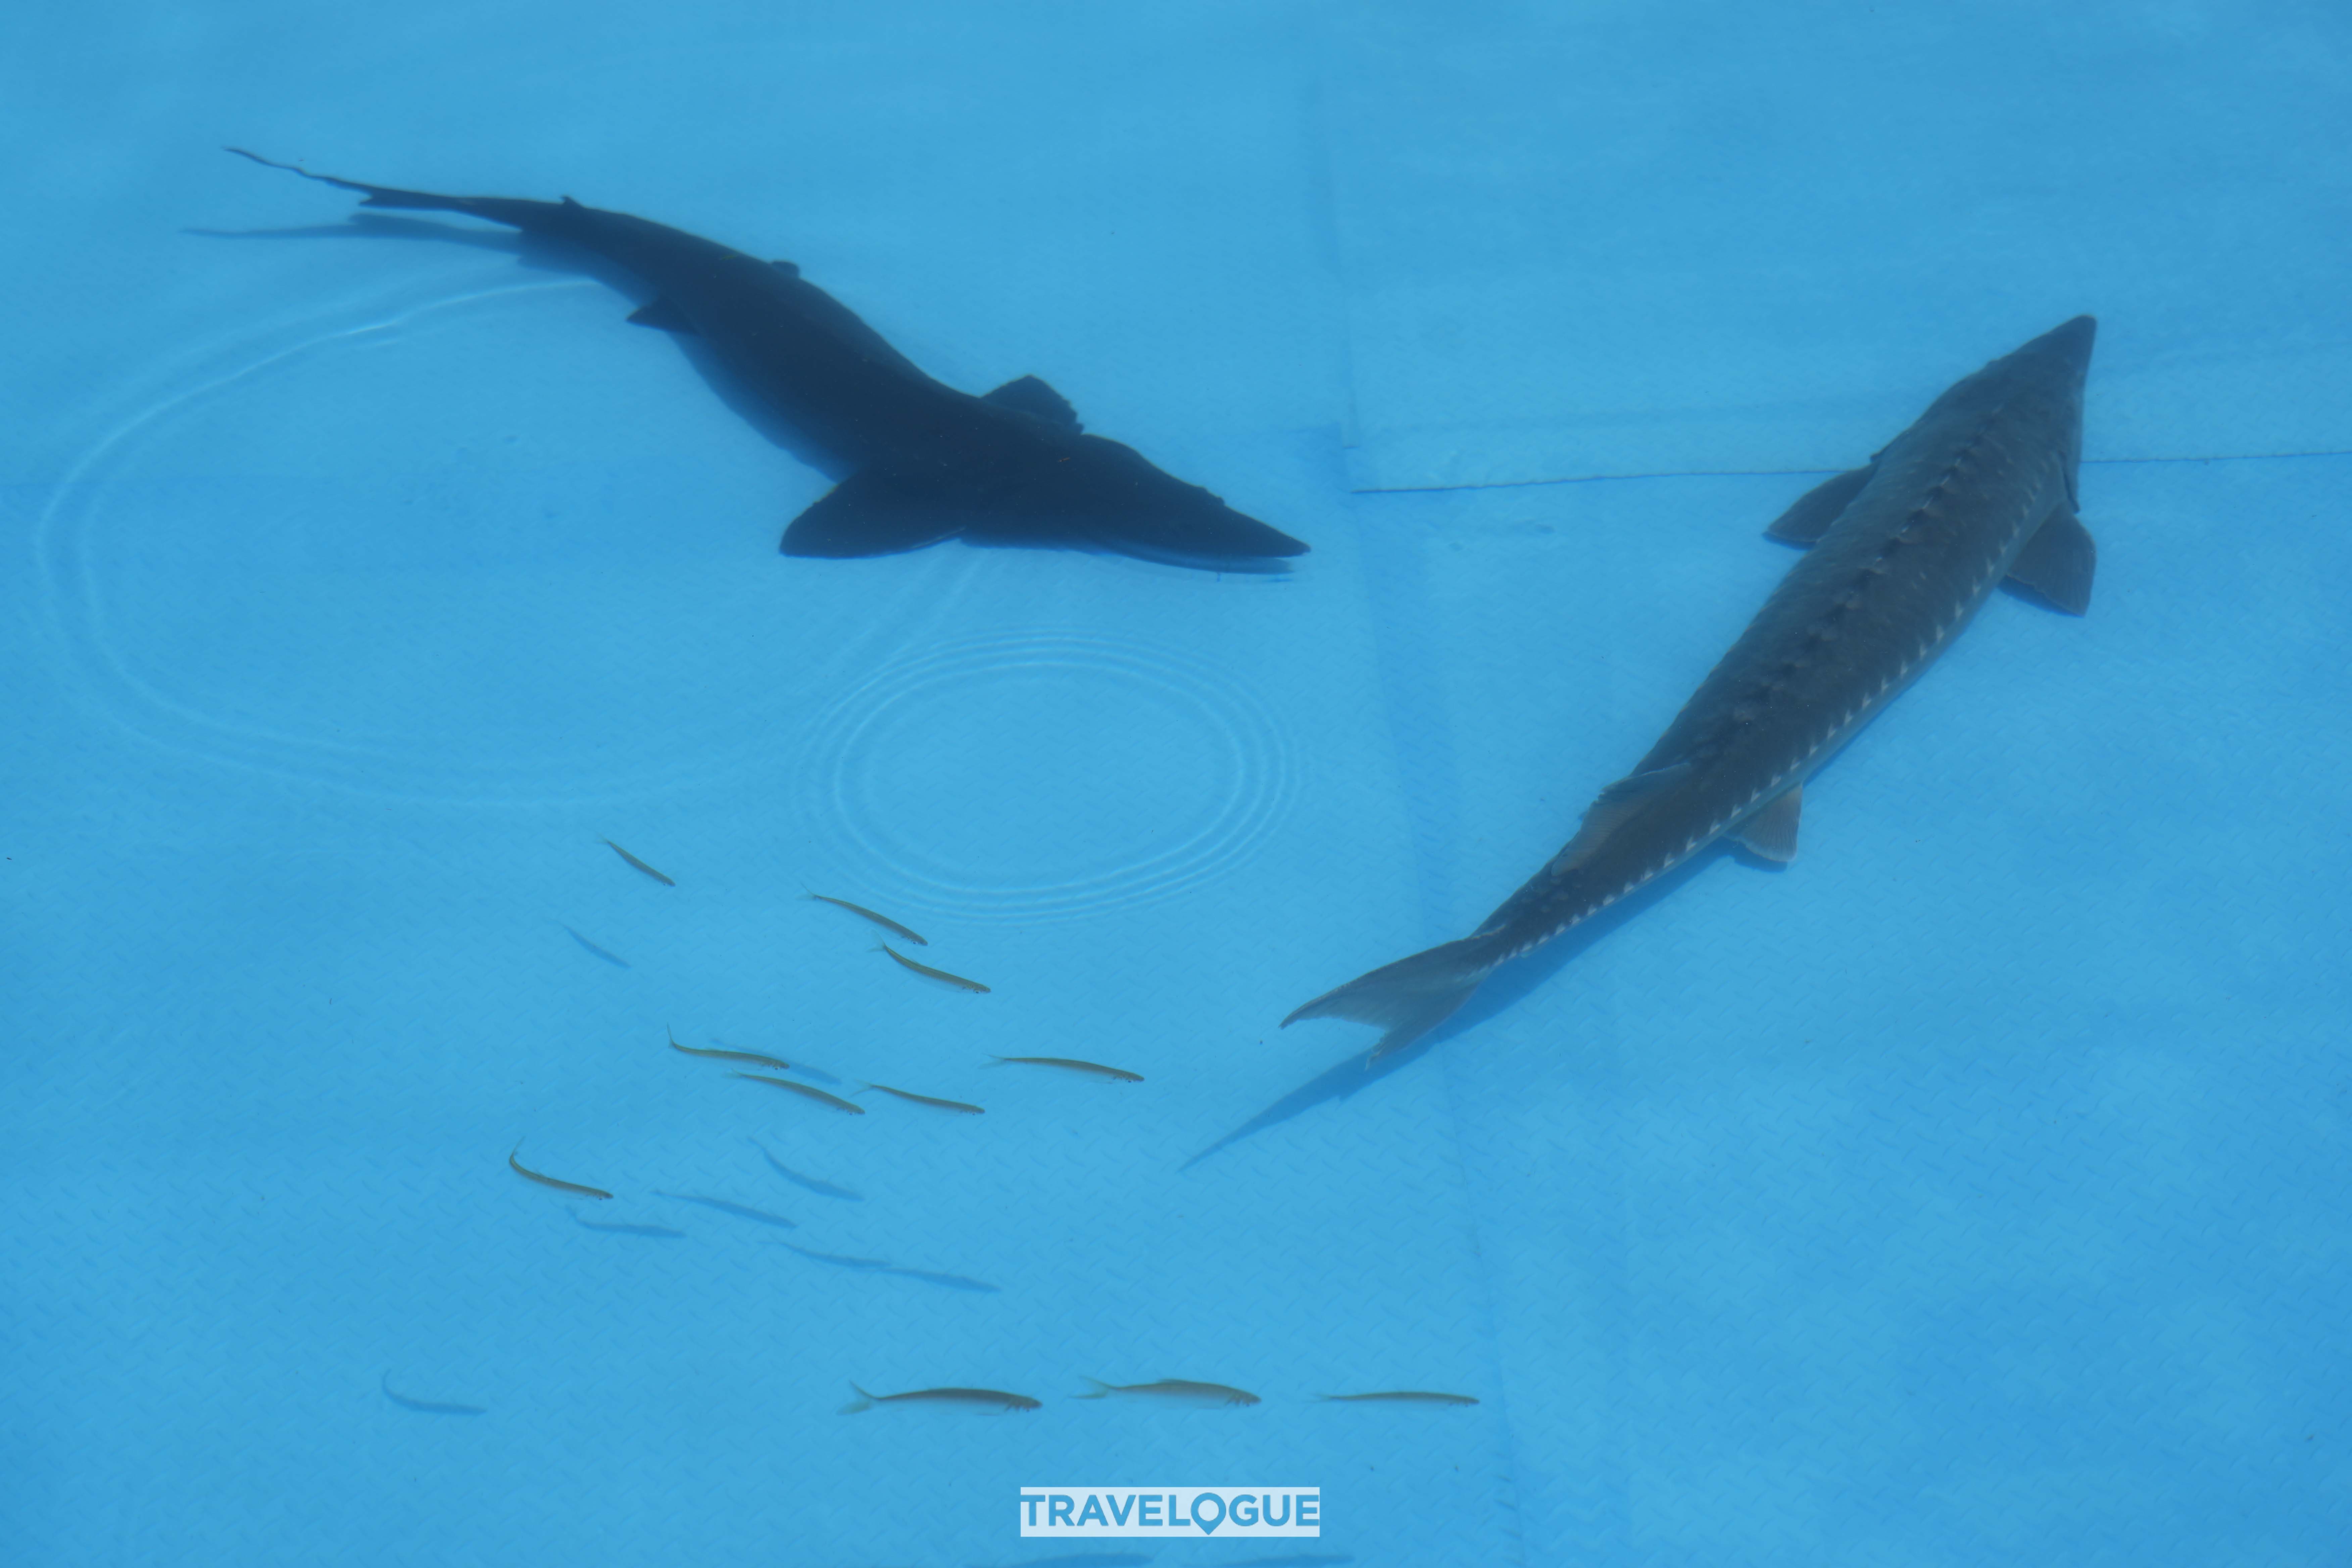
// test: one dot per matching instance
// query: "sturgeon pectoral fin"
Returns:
(2057, 562)
(663, 314)
(1609, 809)
(1770, 830)
(1032, 395)
(866, 514)
(1819, 507)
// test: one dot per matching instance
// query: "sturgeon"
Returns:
(1011, 467)
(1904, 552)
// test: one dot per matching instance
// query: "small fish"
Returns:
(821, 1189)
(884, 922)
(816, 1094)
(640, 865)
(967, 1398)
(741, 1211)
(607, 954)
(1175, 1389)
(1117, 1075)
(754, 1057)
(572, 1187)
(956, 979)
(1398, 1396)
(934, 1104)
(839, 1260)
(652, 1232)
(434, 1406)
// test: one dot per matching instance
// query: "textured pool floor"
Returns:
(1970, 1191)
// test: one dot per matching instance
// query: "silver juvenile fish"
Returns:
(818, 1095)
(1175, 1390)
(964, 1398)
(754, 1057)
(931, 1100)
(958, 981)
(574, 1188)
(1069, 1064)
(884, 922)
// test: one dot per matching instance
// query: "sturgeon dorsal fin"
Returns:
(2057, 562)
(1817, 508)
(1031, 395)
(1770, 830)
(1611, 806)
(869, 514)
(660, 312)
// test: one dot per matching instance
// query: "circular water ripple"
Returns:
(367, 552)
(1046, 775)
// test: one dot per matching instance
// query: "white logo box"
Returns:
(1164, 1513)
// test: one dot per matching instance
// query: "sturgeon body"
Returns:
(1011, 467)
(1903, 552)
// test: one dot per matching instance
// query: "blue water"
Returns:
(1972, 1191)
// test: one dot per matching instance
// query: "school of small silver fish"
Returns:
(763, 1069)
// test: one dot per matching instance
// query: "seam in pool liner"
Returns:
(1816, 473)
(1565, 257)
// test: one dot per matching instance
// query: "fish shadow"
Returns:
(607, 955)
(428, 1406)
(821, 1188)
(945, 1281)
(641, 1232)
(883, 1266)
(737, 1211)
(834, 1260)
(1509, 986)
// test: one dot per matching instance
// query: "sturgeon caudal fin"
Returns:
(1410, 996)
(863, 1401)
(508, 210)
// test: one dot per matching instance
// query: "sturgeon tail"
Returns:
(511, 210)
(1410, 996)
(863, 1401)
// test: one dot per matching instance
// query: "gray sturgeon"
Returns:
(1010, 467)
(1904, 550)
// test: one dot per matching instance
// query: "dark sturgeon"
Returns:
(1905, 552)
(1013, 466)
